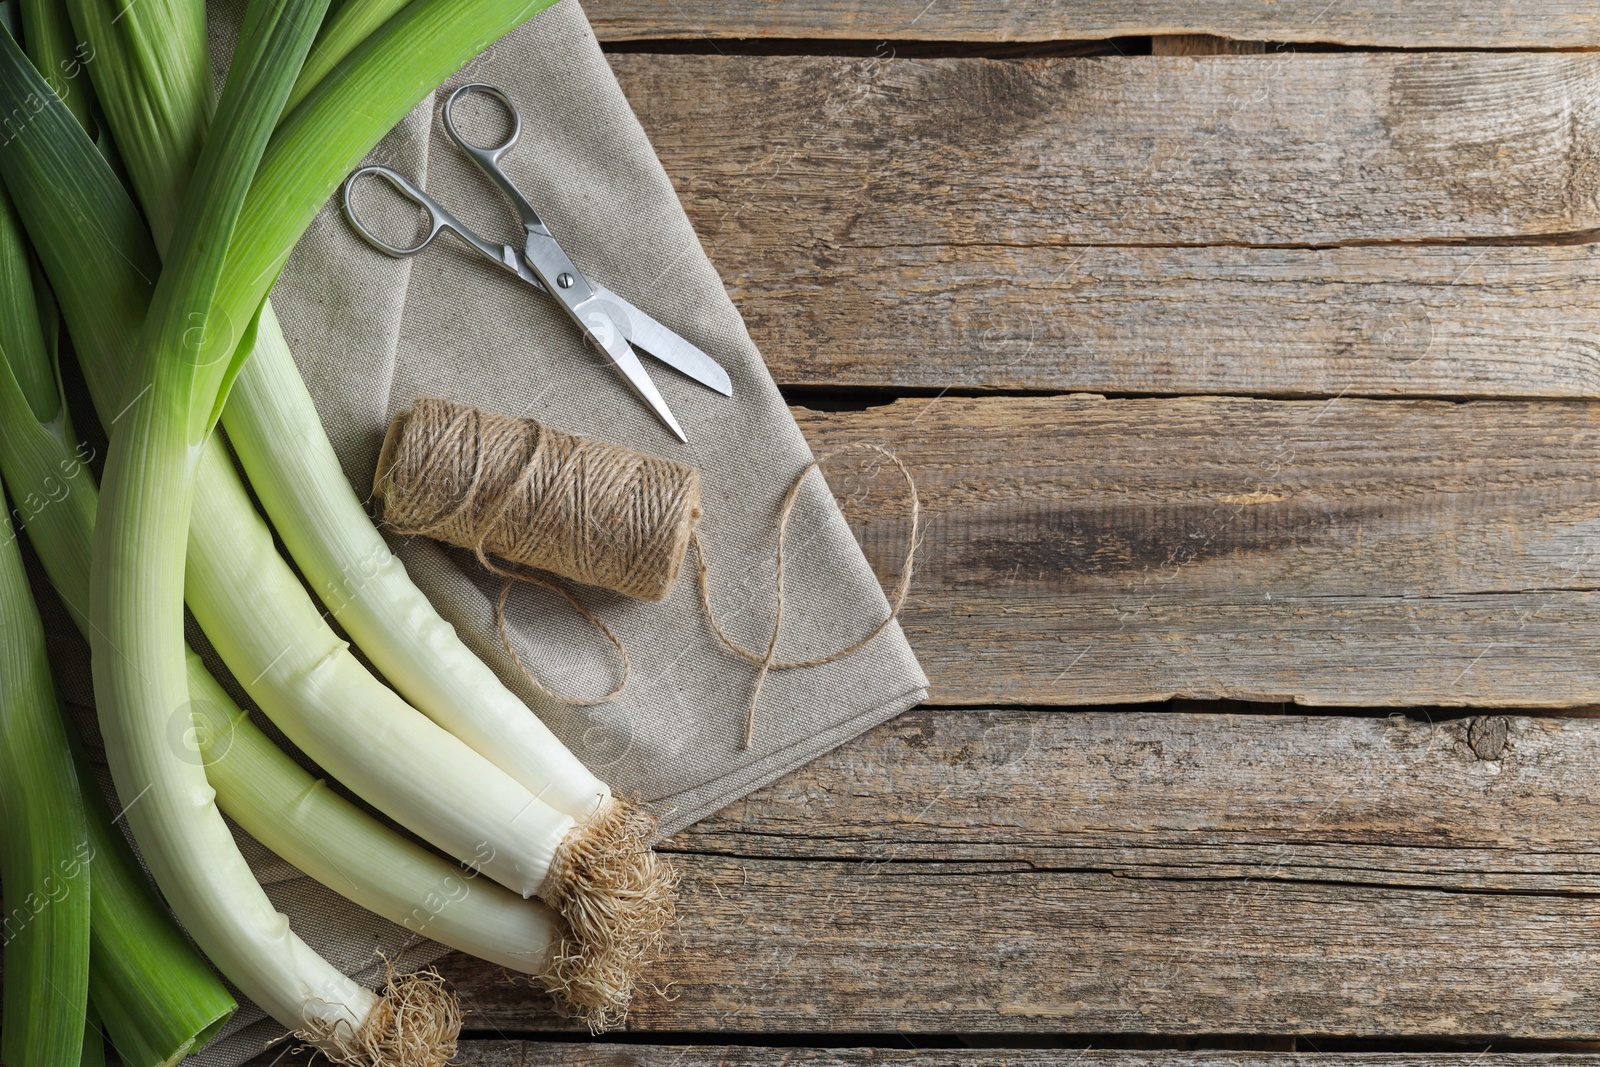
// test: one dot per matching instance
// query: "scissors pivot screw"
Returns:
(564, 280)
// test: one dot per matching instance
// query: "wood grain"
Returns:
(826, 154)
(1399, 320)
(1430, 23)
(878, 230)
(1027, 871)
(1080, 550)
(512, 1053)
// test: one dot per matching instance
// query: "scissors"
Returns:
(612, 324)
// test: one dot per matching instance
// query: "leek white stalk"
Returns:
(301, 819)
(284, 450)
(137, 578)
(158, 999)
(332, 707)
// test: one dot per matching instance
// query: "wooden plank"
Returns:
(866, 248)
(1480, 803)
(1428, 23)
(826, 154)
(511, 1053)
(1028, 871)
(589, 1055)
(1400, 320)
(1080, 550)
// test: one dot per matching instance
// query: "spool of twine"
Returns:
(539, 500)
(593, 512)
(521, 491)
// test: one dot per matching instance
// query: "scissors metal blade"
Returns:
(600, 328)
(642, 331)
(654, 339)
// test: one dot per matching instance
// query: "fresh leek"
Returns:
(245, 596)
(301, 819)
(618, 893)
(137, 578)
(157, 999)
(154, 100)
(275, 431)
(67, 209)
(353, 726)
(155, 995)
(273, 426)
(47, 35)
(45, 853)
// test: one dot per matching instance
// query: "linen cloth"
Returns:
(371, 334)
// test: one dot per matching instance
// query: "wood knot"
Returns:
(1486, 735)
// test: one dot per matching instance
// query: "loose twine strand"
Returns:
(546, 501)
(768, 661)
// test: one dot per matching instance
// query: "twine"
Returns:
(539, 499)
(768, 660)
(592, 512)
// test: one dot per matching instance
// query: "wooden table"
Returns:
(1250, 390)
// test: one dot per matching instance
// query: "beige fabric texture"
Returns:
(371, 334)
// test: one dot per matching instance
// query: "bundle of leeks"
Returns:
(220, 195)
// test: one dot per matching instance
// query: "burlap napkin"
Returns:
(371, 334)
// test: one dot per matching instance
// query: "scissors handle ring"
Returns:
(490, 153)
(438, 218)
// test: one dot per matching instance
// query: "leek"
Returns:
(48, 37)
(155, 995)
(70, 200)
(287, 657)
(279, 440)
(158, 1000)
(158, 131)
(354, 727)
(346, 27)
(45, 854)
(136, 597)
(619, 894)
(186, 360)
